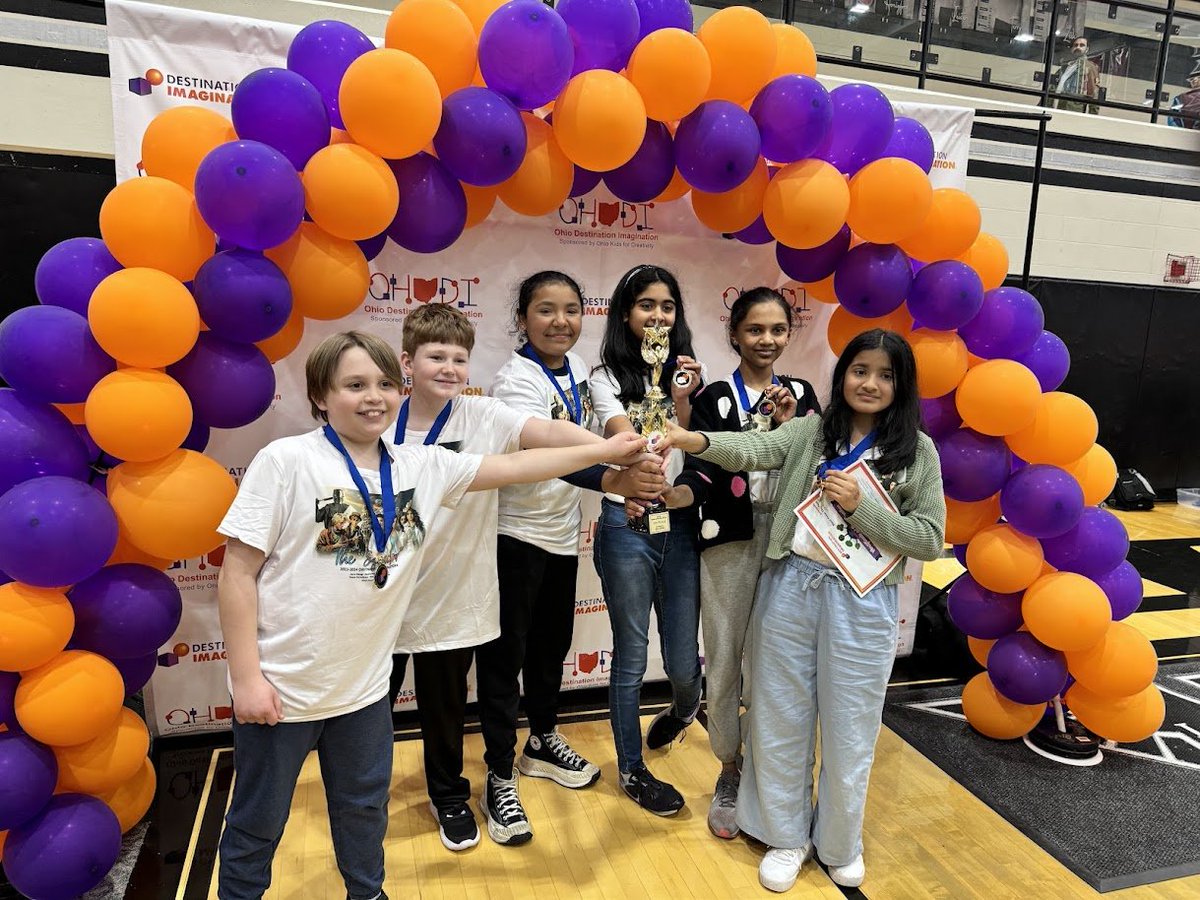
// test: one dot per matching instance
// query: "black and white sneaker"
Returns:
(456, 826)
(549, 756)
(666, 726)
(500, 804)
(649, 793)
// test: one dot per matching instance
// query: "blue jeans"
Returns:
(355, 751)
(641, 572)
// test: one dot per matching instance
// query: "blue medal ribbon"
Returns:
(847, 459)
(380, 530)
(740, 384)
(574, 407)
(435, 430)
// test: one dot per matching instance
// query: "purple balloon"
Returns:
(654, 15)
(8, 690)
(36, 440)
(603, 32)
(322, 52)
(1123, 587)
(525, 53)
(481, 139)
(585, 181)
(940, 416)
(69, 271)
(65, 850)
(372, 247)
(250, 195)
(716, 146)
(282, 109)
(756, 233)
(1048, 359)
(872, 280)
(911, 140)
(1041, 501)
(28, 773)
(817, 263)
(136, 671)
(1007, 325)
(242, 296)
(125, 610)
(650, 170)
(433, 207)
(197, 438)
(793, 114)
(1096, 545)
(48, 354)
(862, 127)
(974, 465)
(230, 384)
(945, 295)
(1025, 670)
(960, 553)
(981, 613)
(59, 531)
(96, 456)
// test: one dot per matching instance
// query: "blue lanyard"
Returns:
(574, 407)
(740, 384)
(380, 530)
(847, 459)
(435, 431)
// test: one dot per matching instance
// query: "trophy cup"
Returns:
(649, 418)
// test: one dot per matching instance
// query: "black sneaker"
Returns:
(456, 826)
(500, 804)
(665, 727)
(549, 756)
(651, 794)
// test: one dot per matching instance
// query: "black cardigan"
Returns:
(712, 486)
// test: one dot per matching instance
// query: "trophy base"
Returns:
(655, 520)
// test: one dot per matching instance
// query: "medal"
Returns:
(381, 575)
(681, 378)
(379, 530)
(766, 407)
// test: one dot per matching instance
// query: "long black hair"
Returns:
(529, 287)
(747, 300)
(898, 426)
(621, 351)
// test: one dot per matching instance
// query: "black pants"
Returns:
(537, 617)
(441, 683)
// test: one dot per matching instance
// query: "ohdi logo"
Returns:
(388, 289)
(588, 663)
(193, 716)
(631, 217)
(795, 297)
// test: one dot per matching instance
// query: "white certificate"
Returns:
(863, 562)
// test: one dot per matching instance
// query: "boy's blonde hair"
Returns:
(322, 363)
(437, 323)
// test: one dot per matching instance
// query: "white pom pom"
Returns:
(723, 406)
(709, 529)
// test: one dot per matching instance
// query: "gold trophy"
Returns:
(649, 419)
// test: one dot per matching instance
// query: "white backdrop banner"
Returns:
(165, 57)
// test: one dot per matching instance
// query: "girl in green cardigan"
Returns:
(818, 649)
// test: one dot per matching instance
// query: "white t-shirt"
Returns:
(325, 631)
(546, 514)
(457, 599)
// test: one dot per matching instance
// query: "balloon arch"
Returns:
(240, 231)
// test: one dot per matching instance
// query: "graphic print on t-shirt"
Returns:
(344, 531)
(559, 411)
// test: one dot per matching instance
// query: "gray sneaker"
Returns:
(722, 812)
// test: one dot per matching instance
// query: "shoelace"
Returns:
(508, 803)
(563, 751)
(786, 856)
(726, 793)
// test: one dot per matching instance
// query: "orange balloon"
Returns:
(1122, 663)
(171, 507)
(742, 48)
(806, 202)
(480, 201)
(478, 11)
(844, 326)
(73, 411)
(998, 397)
(3, 837)
(131, 800)
(103, 763)
(671, 70)
(993, 715)
(949, 229)
(1066, 611)
(545, 176)
(285, 340)
(35, 625)
(979, 649)
(439, 34)
(349, 191)
(143, 318)
(338, 136)
(676, 189)
(823, 292)
(1096, 472)
(1063, 429)
(794, 52)
(988, 257)
(152, 222)
(964, 520)
(889, 199)
(1124, 719)
(138, 414)
(1002, 559)
(177, 139)
(390, 103)
(125, 552)
(734, 209)
(599, 120)
(71, 699)
(328, 275)
(941, 361)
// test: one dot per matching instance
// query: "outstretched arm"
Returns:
(555, 433)
(529, 466)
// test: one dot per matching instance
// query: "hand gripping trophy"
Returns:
(649, 419)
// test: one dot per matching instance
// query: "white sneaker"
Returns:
(851, 875)
(780, 867)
